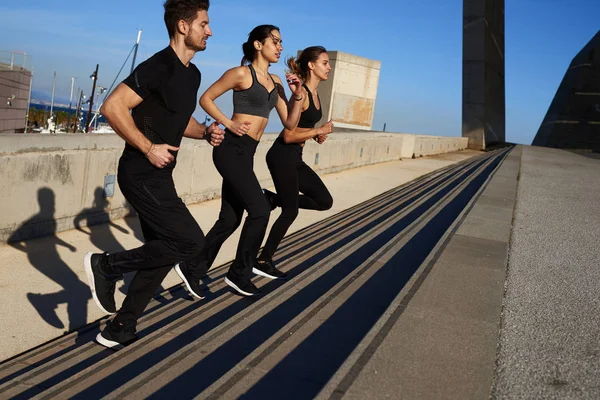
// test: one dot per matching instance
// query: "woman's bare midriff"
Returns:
(257, 124)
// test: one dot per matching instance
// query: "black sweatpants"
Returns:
(291, 175)
(170, 232)
(234, 159)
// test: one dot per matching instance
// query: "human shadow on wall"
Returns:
(43, 256)
(98, 224)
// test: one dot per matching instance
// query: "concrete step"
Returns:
(305, 337)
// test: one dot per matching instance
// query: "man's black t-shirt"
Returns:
(169, 90)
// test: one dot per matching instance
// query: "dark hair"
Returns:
(177, 10)
(299, 66)
(260, 33)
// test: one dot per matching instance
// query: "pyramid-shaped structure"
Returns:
(573, 119)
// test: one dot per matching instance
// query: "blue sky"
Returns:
(418, 42)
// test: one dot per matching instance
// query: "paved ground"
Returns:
(50, 291)
(550, 338)
(384, 300)
(477, 280)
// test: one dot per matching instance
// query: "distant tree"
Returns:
(62, 117)
(37, 116)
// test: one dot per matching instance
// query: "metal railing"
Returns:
(15, 61)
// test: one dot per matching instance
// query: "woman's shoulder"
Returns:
(236, 74)
(242, 70)
(276, 79)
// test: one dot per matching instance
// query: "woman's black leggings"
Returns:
(291, 176)
(234, 159)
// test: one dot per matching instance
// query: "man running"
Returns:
(152, 110)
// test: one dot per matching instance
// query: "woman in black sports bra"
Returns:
(255, 94)
(290, 174)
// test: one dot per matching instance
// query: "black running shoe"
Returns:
(117, 335)
(102, 283)
(192, 284)
(245, 288)
(271, 198)
(267, 269)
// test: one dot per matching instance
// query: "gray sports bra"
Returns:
(255, 100)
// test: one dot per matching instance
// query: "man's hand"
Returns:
(160, 156)
(214, 134)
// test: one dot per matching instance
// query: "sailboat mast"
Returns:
(108, 92)
(137, 44)
(53, 87)
(94, 77)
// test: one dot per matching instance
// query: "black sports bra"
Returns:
(255, 100)
(312, 115)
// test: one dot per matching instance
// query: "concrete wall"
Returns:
(348, 96)
(483, 72)
(431, 145)
(51, 181)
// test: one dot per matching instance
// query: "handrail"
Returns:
(15, 60)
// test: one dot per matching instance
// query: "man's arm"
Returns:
(117, 110)
(213, 134)
(195, 130)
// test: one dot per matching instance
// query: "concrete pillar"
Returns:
(483, 73)
(348, 96)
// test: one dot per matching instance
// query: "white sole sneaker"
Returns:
(258, 272)
(237, 289)
(187, 284)
(108, 343)
(87, 264)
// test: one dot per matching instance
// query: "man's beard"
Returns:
(189, 42)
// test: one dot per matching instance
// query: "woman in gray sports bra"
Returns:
(255, 94)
